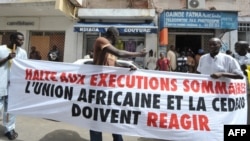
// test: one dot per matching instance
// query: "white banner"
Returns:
(154, 104)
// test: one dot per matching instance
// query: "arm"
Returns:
(6, 59)
(146, 67)
(167, 63)
(123, 53)
(226, 74)
(234, 71)
(169, 66)
(193, 62)
(125, 66)
(197, 72)
(243, 68)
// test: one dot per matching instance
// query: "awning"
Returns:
(123, 28)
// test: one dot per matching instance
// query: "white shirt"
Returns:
(151, 63)
(5, 68)
(172, 57)
(220, 63)
(243, 59)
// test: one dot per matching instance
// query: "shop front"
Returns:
(41, 33)
(44, 24)
(135, 34)
(191, 29)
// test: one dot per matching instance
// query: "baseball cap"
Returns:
(200, 51)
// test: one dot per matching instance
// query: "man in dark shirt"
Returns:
(54, 54)
(34, 54)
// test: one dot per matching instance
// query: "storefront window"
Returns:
(45, 41)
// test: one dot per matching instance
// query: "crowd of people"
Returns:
(105, 53)
(184, 61)
(53, 54)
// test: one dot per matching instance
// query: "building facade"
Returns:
(138, 27)
(199, 20)
(44, 24)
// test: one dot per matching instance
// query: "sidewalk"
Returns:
(35, 129)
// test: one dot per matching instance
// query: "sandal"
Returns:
(11, 135)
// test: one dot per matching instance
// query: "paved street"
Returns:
(35, 129)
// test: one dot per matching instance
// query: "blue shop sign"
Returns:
(199, 19)
(123, 28)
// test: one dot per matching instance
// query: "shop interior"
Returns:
(186, 42)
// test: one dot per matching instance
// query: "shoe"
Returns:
(11, 135)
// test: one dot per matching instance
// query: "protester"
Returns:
(7, 53)
(151, 61)
(243, 57)
(105, 53)
(162, 64)
(34, 54)
(54, 54)
(171, 55)
(218, 64)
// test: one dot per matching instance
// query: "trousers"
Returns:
(9, 120)
(97, 136)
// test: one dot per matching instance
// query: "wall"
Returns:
(72, 48)
(118, 4)
(45, 24)
(107, 4)
(242, 6)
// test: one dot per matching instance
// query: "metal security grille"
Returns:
(244, 27)
(45, 40)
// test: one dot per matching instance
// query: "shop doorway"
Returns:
(185, 42)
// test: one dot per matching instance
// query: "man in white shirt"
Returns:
(151, 61)
(218, 64)
(243, 57)
(7, 53)
(171, 55)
